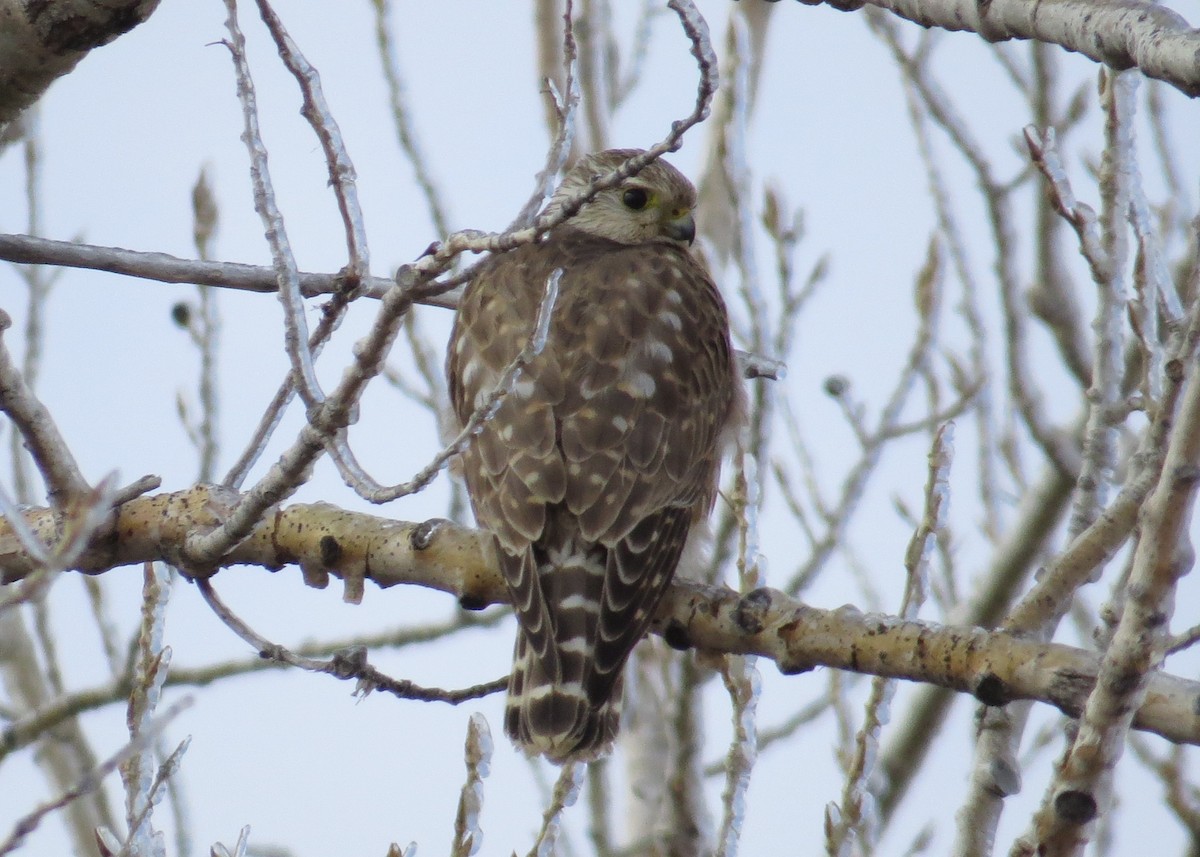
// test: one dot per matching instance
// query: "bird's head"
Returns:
(654, 206)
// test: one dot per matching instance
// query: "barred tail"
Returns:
(555, 719)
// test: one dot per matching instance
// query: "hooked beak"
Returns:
(681, 228)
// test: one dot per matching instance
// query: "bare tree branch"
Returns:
(295, 338)
(1119, 33)
(48, 447)
(44, 41)
(322, 540)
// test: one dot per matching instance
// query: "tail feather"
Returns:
(582, 607)
(556, 718)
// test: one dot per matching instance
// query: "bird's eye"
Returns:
(635, 198)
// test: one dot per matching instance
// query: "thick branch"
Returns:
(323, 540)
(40, 42)
(1119, 33)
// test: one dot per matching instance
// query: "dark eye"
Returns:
(635, 198)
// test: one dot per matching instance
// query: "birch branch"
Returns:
(1121, 34)
(324, 541)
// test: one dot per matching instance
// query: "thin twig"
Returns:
(33, 422)
(90, 781)
(32, 725)
(929, 286)
(269, 421)
(358, 479)
(566, 792)
(344, 665)
(284, 261)
(1098, 461)
(468, 835)
(565, 107)
(405, 134)
(206, 331)
(997, 198)
(165, 268)
(150, 672)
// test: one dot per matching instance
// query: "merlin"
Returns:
(605, 455)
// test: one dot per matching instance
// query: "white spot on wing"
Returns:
(671, 319)
(658, 350)
(639, 385)
(587, 389)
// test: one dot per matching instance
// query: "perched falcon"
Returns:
(606, 452)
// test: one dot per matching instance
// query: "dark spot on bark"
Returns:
(1075, 807)
(272, 653)
(991, 690)
(751, 611)
(1125, 683)
(1187, 473)
(472, 602)
(331, 551)
(793, 666)
(1070, 685)
(78, 32)
(422, 535)
(676, 636)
